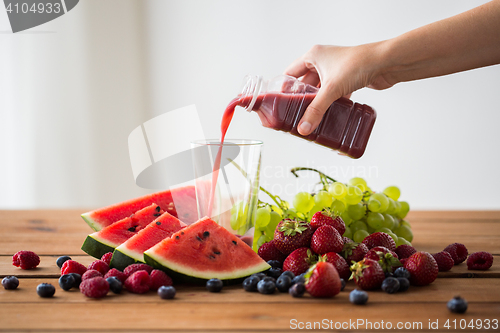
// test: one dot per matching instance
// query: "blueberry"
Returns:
(457, 305)
(166, 292)
(266, 287)
(61, 260)
(290, 274)
(250, 283)
(259, 275)
(342, 281)
(274, 272)
(78, 279)
(275, 263)
(297, 290)
(404, 284)
(10, 282)
(214, 285)
(390, 285)
(402, 272)
(283, 283)
(388, 274)
(358, 296)
(115, 285)
(66, 282)
(299, 279)
(269, 278)
(45, 290)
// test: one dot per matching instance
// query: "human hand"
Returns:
(338, 71)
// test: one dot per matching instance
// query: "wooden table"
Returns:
(52, 233)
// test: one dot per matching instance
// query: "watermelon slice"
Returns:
(185, 207)
(132, 250)
(109, 238)
(205, 250)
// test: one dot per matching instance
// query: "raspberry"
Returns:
(402, 261)
(90, 274)
(116, 273)
(26, 259)
(444, 260)
(139, 282)
(405, 251)
(131, 269)
(268, 251)
(107, 257)
(100, 266)
(158, 279)
(458, 252)
(479, 261)
(95, 288)
(71, 266)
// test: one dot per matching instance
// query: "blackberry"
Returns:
(390, 285)
(402, 272)
(290, 274)
(10, 282)
(166, 292)
(78, 279)
(404, 284)
(115, 285)
(342, 286)
(283, 283)
(457, 305)
(297, 290)
(275, 263)
(45, 290)
(274, 272)
(266, 286)
(214, 285)
(299, 279)
(61, 260)
(358, 297)
(250, 283)
(66, 282)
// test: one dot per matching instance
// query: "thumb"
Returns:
(315, 111)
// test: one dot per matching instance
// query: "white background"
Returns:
(73, 89)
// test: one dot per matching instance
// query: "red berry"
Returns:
(339, 263)
(367, 274)
(90, 274)
(268, 251)
(326, 239)
(158, 279)
(354, 251)
(479, 261)
(96, 287)
(458, 252)
(71, 266)
(405, 251)
(116, 273)
(139, 282)
(26, 259)
(322, 280)
(99, 266)
(444, 261)
(380, 239)
(131, 269)
(347, 240)
(107, 257)
(299, 261)
(327, 218)
(422, 267)
(291, 235)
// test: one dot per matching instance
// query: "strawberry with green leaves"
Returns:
(367, 274)
(388, 260)
(322, 280)
(353, 251)
(326, 217)
(299, 261)
(291, 235)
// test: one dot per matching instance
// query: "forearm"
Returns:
(462, 42)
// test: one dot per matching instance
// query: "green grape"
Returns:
(291, 214)
(405, 208)
(262, 218)
(397, 209)
(388, 221)
(357, 211)
(323, 199)
(347, 233)
(358, 225)
(386, 230)
(354, 195)
(346, 218)
(303, 202)
(314, 210)
(406, 223)
(261, 240)
(375, 220)
(277, 209)
(392, 192)
(392, 206)
(371, 230)
(301, 216)
(360, 235)
(382, 198)
(358, 182)
(337, 207)
(374, 205)
(273, 223)
(402, 241)
(405, 232)
(369, 190)
(394, 237)
(337, 190)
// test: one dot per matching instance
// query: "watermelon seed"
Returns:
(199, 238)
(211, 256)
(157, 214)
(177, 237)
(158, 223)
(234, 242)
(158, 209)
(216, 251)
(182, 232)
(206, 234)
(132, 229)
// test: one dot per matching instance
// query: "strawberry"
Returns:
(405, 251)
(291, 235)
(458, 252)
(322, 280)
(326, 217)
(299, 261)
(367, 274)
(347, 240)
(268, 251)
(380, 239)
(339, 263)
(444, 260)
(326, 239)
(388, 260)
(422, 267)
(354, 251)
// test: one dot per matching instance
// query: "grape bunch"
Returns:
(364, 211)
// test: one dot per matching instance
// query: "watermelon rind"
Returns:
(96, 246)
(90, 221)
(120, 260)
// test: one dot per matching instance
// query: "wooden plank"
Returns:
(454, 214)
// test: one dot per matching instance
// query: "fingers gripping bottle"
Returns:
(282, 101)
